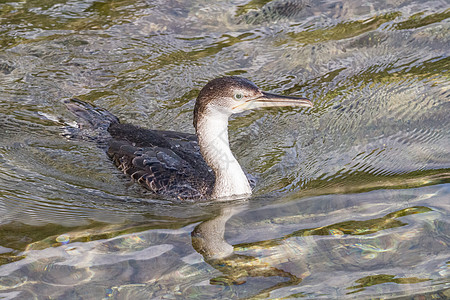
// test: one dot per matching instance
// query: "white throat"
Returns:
(212, 132)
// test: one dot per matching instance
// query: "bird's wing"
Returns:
(167, 163)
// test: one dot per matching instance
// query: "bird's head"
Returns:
(230, 95)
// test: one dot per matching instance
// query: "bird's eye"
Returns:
(238, 96)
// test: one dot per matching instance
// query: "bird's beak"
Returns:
(273, 100)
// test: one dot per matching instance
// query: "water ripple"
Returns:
(352, 194)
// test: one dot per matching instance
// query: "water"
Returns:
(352, 195)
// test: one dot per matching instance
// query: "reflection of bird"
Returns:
(181, 165)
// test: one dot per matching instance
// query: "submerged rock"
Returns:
(6, 68)
(276, 10)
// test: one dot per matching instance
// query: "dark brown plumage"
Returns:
(167, 163)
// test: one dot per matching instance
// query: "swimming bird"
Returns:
(181, 165)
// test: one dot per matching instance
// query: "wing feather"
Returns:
(166, 163)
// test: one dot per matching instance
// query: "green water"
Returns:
(352, 199)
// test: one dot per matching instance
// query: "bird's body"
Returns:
(168, 163)
(181, 165)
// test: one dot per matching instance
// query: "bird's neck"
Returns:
(212, 132)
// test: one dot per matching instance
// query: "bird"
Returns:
(183, 166)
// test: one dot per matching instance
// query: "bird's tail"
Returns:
(92, 123)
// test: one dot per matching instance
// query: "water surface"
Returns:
(352, 199)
